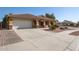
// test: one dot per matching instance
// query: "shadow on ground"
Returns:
(8, 37)
(76, 33)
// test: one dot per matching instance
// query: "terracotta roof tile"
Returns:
(29, 16)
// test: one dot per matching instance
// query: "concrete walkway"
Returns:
(40, 40)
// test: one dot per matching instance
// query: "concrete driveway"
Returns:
(41, 40)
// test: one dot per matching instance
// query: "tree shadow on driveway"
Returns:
(8, 37)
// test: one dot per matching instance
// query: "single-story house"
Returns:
(19, 21)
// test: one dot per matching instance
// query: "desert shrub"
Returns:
(62, 28)
(52, 27)
(56, 25)
(66, 27)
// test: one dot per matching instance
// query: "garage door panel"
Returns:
(22, 23)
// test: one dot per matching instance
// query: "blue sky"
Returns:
(61, 13)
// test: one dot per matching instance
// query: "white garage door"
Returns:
(17, 23)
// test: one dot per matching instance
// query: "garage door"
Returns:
(20, 23)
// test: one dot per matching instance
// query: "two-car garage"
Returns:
(22, 23)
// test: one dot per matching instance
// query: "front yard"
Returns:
(41, 40)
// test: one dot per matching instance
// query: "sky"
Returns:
(61, 13)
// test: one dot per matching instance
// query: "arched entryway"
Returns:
(41, 23)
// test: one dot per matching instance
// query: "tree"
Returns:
(4, 21)
(50, 16)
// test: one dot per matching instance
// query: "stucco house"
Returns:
(20, 21)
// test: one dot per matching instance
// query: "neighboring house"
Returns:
(77, 24)
(68, 23)
(27, 21)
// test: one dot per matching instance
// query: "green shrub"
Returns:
(52, 27)
(56, 25)
(63, 28)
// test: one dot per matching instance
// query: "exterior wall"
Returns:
(34, 23)
(9, 23)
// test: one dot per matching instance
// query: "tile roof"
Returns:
(29, 16)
